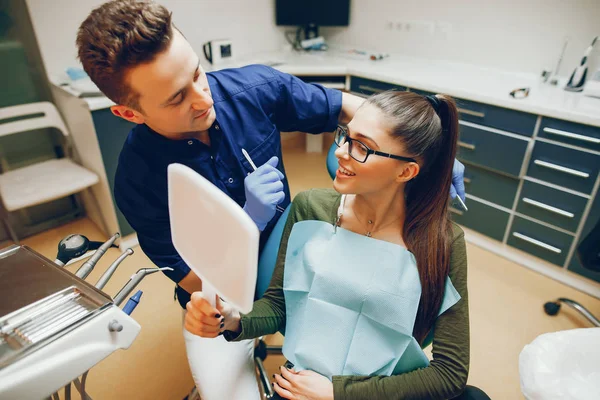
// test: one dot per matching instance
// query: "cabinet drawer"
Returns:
(482, 218)
(569, 132)
(499, 189)
(550, 205)
(565, 167)
(497, 117)
(591, 235)
(368, 87)
(540, 241)
(323, 79)
(575, 266)
(498, 152)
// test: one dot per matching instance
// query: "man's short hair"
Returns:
(119, 35)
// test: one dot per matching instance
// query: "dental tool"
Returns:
(133, 302)
(71, 247)
(134, 281)
(462, 203)
(111, 270)
(74, 247)
(89, 265)
(579, 75)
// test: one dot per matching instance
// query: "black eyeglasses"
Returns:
(360, 151)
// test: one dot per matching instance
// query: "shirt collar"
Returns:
(148, 139)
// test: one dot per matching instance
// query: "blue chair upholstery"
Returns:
(266, 266)
(332, 162)
(268, 257)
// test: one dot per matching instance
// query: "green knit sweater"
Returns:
(447, 373)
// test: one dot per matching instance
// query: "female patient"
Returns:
(366, 271)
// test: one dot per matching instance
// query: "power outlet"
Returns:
(420, 28)
(425, 28)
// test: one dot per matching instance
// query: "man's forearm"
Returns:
(191, 283)
(350, 104)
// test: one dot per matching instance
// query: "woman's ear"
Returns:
(408, 172)
(128, 114)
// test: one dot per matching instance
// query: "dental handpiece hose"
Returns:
(134, 281)
(89, 265)
(111, 270)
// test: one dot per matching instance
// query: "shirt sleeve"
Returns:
(150, 219)
(306, 107)
(446, 375)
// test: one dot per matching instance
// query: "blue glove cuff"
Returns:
(261, 227)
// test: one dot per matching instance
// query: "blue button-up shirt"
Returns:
(252, 104)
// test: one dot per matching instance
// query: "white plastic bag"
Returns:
(562, 365)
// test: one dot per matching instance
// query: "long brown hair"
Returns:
(428, 128)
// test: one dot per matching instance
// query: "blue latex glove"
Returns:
(264, 190)
(458, 183)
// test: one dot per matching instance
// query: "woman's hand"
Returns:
(204, 320)
(303, 385)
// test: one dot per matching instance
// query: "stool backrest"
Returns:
(29, 117)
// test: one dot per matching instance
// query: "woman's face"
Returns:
(377, 173)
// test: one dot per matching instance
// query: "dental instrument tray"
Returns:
(54, 326)
(40, 302)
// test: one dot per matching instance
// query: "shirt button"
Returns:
(217, 127)
(190, 142)
(230, 180)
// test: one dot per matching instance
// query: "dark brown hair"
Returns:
(430, 137)
(118, 35)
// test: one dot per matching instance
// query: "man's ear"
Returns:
(128, 114)
(408, 172)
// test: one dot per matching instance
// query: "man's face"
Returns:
(174, 94)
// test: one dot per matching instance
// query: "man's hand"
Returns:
(204, 320)
(458, 183)
(264, 190)
(303, 385)
(350, 103)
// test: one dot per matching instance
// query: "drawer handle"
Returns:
(471, 113)
(455, 211)
(332, 85)
(548, 208)
(466, 180)
(537, 243)
(561, 169)
(572, 135)
(371, 88)
(466, 145)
